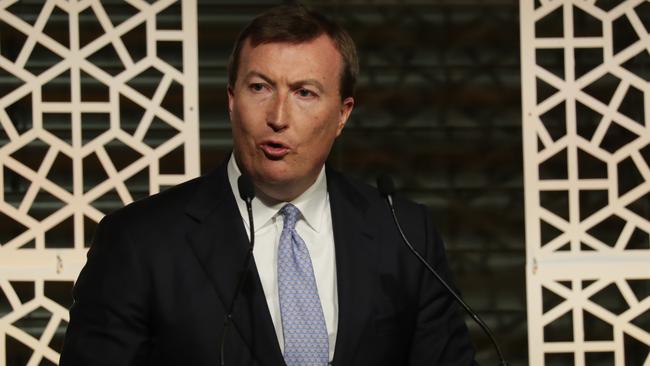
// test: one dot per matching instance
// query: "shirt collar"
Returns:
(312, 203)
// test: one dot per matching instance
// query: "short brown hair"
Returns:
(297, 24)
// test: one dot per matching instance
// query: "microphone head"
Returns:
(385, 185)
(246, 188)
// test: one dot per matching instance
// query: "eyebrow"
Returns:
(313, 82)
(294, 84)
(252, 74)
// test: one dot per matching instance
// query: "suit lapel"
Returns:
(220, 243)
(355, 266)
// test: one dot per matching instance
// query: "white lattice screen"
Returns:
(97, 100)
(586, 130)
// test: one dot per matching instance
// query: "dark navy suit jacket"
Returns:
(161, 270)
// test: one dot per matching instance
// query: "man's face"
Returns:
(286, 111)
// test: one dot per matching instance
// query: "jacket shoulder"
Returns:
(170, 200)
(366, 194)
(174, 205)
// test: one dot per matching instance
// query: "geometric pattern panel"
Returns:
(98, 107)
(34, 329)
(586, 132)
(593, 318)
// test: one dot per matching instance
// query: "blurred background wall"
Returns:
(438, 107)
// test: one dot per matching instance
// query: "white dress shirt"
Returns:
(314, 227)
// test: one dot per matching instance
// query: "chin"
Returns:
(263, 168)
(276, 177)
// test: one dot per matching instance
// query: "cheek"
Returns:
(327, 128)
(242, 137)
(242, 124)
(321, 138)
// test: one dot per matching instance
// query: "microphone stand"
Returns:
(247, 193)
(387, 189)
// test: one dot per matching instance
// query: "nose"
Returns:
(277, 116)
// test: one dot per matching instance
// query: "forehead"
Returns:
(316, 58)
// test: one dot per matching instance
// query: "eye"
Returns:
(305, 93)
(256, 87)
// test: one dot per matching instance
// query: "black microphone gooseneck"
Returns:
(387, 189)
(247, 193)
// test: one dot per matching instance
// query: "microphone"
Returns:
(387, 189)
(246, 189)
(247, 193)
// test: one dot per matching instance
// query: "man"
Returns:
(331, 281)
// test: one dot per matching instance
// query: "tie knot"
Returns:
(290, 214)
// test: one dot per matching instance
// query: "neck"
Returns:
(284, 192)
(274, 192)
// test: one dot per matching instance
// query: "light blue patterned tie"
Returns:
(303, 323)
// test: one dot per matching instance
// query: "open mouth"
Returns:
(274, 150)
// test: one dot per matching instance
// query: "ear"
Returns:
(230, 98)
(346, 108)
